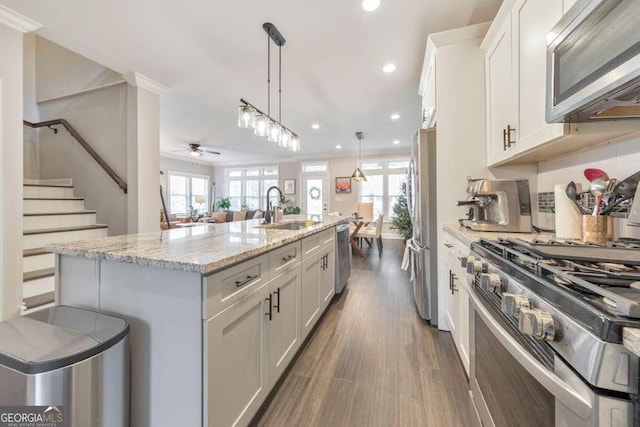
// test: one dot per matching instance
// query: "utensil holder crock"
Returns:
(594, 228)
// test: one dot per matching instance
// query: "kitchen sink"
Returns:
(296, 225)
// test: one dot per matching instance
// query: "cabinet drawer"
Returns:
(282, 259)
(328, 237)
(311, 245)
(222, 289)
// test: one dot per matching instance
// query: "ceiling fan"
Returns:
(197, 150)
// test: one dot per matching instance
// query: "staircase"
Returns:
(51, 215)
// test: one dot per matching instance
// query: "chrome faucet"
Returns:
(267, 215)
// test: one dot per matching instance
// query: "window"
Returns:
(188, 191)
(314, 167)
(382, 187)
(247, 187)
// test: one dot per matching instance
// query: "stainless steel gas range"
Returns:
(546, 333)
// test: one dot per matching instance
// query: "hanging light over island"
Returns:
(251, 117)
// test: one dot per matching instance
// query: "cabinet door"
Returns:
(501, 95)
(310, 300)
(328, 277)
(429, 95)
(284, 328)
(236, 361)
(463, 328)
(532, 20)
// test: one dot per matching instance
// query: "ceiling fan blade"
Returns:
(211, 152)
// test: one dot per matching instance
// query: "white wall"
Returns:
(30, 108)
(619, 160)
(100, 116)
(11, 171)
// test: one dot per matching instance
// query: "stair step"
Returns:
(65, 182)
(38, 283)
(38, 262)
(34, 252)
(40, 238)
(52, 205)
(38, 300)
(47, 191)
(38, 274)
(63, 229)
(39, 221)
(49, 185)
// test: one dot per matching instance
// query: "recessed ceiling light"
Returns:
(395, 116)
(389, 68)
(338, 147)
(370, 5)
(396, 142)
(315, 126)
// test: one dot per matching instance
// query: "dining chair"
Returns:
(373, 232)
(365, 209)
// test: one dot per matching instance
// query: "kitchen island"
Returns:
(217, 312)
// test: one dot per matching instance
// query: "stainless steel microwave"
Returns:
(593, 62)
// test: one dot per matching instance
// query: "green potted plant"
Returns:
(401, 219)
(244, 207)
(224, 203)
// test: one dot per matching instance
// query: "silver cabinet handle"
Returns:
(563, 391)
(448, 245)
(288, 258)
(240, 283)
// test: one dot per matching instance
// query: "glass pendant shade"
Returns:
(358, 175)
(285, 139)
(275, 130)
(261, 126)
(246, 116)
(295, 144)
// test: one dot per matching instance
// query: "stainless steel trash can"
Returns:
(68, 360)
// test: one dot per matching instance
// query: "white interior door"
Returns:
(315, 194)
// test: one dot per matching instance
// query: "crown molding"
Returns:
(17, 20)
(139, 80)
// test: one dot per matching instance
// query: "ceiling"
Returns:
(211, 53)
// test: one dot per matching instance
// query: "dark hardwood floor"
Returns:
(372, 361)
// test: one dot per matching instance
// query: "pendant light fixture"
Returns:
(357, 174)
(251, 117)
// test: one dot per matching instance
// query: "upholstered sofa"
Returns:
(229, 216)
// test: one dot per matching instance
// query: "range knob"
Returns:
(466, 260)
(537, 323)
(491, 282)
(476, 267)
(512, 303)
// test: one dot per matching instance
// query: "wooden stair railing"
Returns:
(84, 144)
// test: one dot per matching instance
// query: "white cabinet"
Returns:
(328, 275)
(501, 92)
(516, 80)
(310, 299)
(284, 327)
(458, 296)
(236, 345)
(428, 88)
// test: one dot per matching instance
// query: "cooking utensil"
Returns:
(593, 173)
(572, 194)
(623, 191)
(597, 188)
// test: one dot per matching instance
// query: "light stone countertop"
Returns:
(201, 248)
(631, 340)
(468, 236)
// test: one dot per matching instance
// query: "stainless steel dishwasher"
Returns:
(343, 255)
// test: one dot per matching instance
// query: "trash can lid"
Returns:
(56, 337)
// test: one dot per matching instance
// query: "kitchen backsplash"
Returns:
(619, 160)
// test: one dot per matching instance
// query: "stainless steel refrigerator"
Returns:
(421, 200)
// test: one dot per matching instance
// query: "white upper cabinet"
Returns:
(501, 90)
(428, 89)
(516, 72)
(531, 21)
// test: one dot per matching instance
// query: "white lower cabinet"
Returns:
(284, 327)
(236, 360)
(457, 297)
(249, 343)
(310, 299)
(328, 276)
